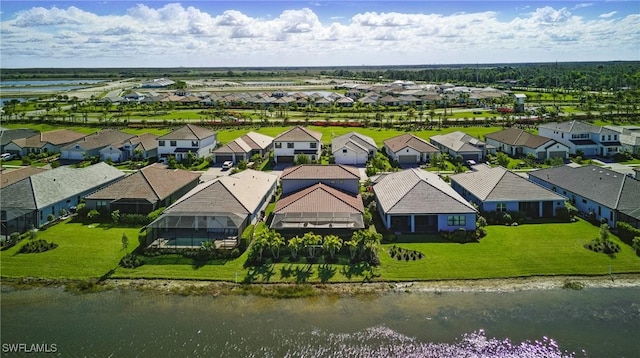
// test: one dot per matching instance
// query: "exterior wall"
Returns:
(443, 225)
(420, 157)
(203, 148)
(581, 203)
(293, 185)
(297, 146)
(112, 152)
(350, 157)
(590, 149)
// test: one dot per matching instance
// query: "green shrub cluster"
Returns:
(36, 246)
(463, 236)
(400, 254)
(626, 232)
(131, 261)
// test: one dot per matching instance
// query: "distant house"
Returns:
(415, 200)
(144, 191)
(190, 138)
(407, 148)
(157, 83)
(93, 145)
(516, 142)
(353, 149)
(459, 144)
(244, 148)
(500, 190)
(217, 210)
(342, 177)
(629, 138)
(609, 195)
(297, 141)
(8, 135)
(10, 176)
(29, 202)
(321, 209)
(579, 136)
(143, 146)
(45, 142)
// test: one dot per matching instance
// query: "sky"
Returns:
(149, 33)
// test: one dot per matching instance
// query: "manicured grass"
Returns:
(83, 252)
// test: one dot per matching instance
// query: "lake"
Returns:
(594, 322)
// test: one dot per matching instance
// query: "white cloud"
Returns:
(608, 15)
(172, 34)
(581, 6)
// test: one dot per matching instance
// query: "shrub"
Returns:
(51, 217)
(155, 214)
(131, 261)
(626, 232)
(93, 214)
(36, 246)
(134, 219)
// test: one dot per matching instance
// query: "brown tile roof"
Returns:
(515, 136)
(409, 140)
(8, 177)
(59, 137)
(188, 132)
(147, 140)
(153, 183)
(320, 198)
(101, 139)
(318, 171)
(299, 134)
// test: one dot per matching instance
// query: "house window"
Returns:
(313, 145)
(101, 204)
(161, 143)
(584, 201)
(501, 207)
(344, 151)
(194, 143)
(172, 143)
(278, 145)
(456, 220)
(290, 145)
(615, 137)
(609, 137)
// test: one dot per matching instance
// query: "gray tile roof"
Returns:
(500, 184)
(188, 132)
(299, 134)
(354, 141)
(629, 202)
(415, 191)
(458, 142)
(598, 184)
(54, 185)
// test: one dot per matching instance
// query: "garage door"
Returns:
(284, 159)
(223, 158)
(71, 155)
(557, 154)
(407, 159)
(113, 156)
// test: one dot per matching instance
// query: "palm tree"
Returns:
(275, 243)
(294, 245)
(311, 241)
(332, 243)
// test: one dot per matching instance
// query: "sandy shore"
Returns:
(484, 285)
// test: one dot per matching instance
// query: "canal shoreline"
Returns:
(292, 290)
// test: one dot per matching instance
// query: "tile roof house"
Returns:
(607, 194)
(629, 138)
(144, 191)
(91, 145)
(591, 140)
(218, 210)
(407, 149)
(461, 144)
(415, 200)
(342, 177)
(244, 148)
(353, 149)
(144, 145)
(8, 177)
(321, 209)
(188, 138)
(500, 190)
(30, 201)
(516, 142)
(296, 141)
(47, 142)
(7, 135)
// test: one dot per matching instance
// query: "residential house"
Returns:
(629, 138)
(516, 142)
(342, 177)
(10, 176)
(500, 190)
(8, 135)
(607, 194)
(579, 136)
(297, 141)
(29, 202)
(417, 201)
(144, 191)
(143, 146)
(353, 149)
(459, 144)
(218, 210)
(244, 148)
(407, 149)
(319, 208)
(93, 144)
(189, 138)
(45, 142)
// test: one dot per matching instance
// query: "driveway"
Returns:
(616, 167)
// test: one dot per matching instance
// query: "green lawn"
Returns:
(83, 252)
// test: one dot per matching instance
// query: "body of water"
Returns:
(549, 323)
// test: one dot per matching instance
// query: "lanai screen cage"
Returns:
(317, 220)
(184, 230)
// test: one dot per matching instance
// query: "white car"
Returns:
(227, 165)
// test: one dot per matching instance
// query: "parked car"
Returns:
(6, 156)
(227, 165)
